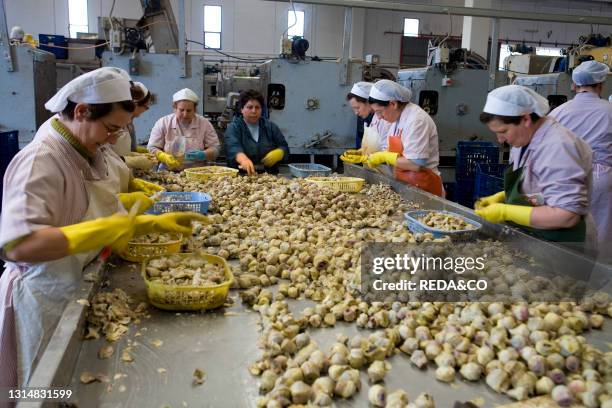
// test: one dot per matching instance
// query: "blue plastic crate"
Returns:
(57, 41)
(469, 154)
(489, 179)
(464, 192)
(416, 226)
(309, 170)
(181, 201)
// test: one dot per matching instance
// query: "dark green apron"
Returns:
(512, 182)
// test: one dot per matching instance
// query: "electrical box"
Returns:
(116, 39)
(441, 55)
(286, 44)
(446, 81)
(372, 59)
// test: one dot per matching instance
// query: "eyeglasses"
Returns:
(112, 131)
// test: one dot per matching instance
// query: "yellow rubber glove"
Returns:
(353, 157)
(496, 213)
(139, 161)
(141, 149)
(138, 184)
(129, 199)
(492, 199)
(115, 231)
(168, 159)
(378, 158)
(168, 222)
(273, 157)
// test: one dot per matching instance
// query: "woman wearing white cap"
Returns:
(127, 141)
(412, 138)
(590, 117)
(184, 134)
(60, 208)
(374, 127)
(547, 187)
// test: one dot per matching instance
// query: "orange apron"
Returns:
(425, 179)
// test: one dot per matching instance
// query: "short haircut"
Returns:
(508, 120)
(98, 110)
(356, 97)
(250, 95)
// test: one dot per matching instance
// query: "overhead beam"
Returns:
(462, 11)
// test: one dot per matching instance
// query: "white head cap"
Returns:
(185, 94)
(103, 85)
(515, 100)
(142, 87)
(362, 89)
(387, 90)
(610, 98)
(590, 73)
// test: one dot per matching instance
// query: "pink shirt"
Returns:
(44, 185)
(200, 135)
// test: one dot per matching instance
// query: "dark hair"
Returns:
(250, 95)
(378, 101)
(138, 96)
(98, 110)
(508, 120)
(386, 103)
(356, 97)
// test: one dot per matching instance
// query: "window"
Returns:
(553, 52)
(411, 27)
(504, 51)
(212, 27)
(295, 24)
(77, 17)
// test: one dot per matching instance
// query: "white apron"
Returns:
(35, 296)
(601, 209)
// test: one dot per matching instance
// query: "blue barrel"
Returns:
(9, 146)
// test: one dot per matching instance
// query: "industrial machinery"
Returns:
(28, 79)
(452, 89)
(305, 97)
(557, 87)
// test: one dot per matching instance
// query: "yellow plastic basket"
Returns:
(343, 184)
(139, 252)
(172, 297)
(205, 173)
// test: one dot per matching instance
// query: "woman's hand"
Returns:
(245, 163)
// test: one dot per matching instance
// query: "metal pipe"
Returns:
(181, 40)
(501, 40)
(346, 45)
(462, 11)
(493, 52)
(5, 45)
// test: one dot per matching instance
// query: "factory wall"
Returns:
(254, 27)
(383, 28)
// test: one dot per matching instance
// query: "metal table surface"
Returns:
(224, 343)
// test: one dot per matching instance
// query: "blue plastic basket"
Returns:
(469, 154)
(309, 170)
(489, 179)
(194, 201)
(416, 226)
